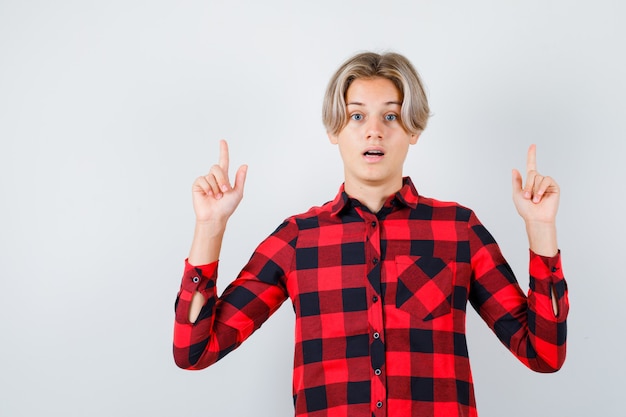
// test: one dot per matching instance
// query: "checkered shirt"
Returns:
(380, 304)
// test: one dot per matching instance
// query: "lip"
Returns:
(376, 157)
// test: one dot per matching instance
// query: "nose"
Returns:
(374, 129)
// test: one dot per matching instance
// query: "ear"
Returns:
(414, 138)
(334, 139)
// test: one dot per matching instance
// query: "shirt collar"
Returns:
(407, 196)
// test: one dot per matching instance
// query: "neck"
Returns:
(372, 196)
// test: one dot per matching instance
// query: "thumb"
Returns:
(240, 178)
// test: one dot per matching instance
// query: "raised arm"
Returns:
(214, 201)
(537, 202)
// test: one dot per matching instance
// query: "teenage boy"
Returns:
(380, 276)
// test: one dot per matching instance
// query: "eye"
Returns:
(391, 117)
(356, 116)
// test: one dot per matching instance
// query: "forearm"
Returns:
(207, 242)
(187, 334)
(205, 249)
(548, 300)
(542, 241)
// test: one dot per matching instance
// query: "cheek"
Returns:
(348, 152)
(342, 150)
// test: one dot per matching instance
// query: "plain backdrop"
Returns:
(110, 109)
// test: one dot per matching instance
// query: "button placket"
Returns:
(374, 265)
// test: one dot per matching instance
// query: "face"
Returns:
(373, 144)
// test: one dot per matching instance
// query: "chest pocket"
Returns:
(424, 287)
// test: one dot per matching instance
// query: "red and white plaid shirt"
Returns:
(380, 303)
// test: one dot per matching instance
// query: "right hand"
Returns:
(214, 199)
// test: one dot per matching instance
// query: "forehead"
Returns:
(372, 90)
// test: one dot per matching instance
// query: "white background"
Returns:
(110, 109)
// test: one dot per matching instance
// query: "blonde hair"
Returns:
(392, 66)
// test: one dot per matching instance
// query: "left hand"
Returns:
(537, 201)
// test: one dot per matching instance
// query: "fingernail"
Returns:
(224, 187)
(218, 196)
(527, 194)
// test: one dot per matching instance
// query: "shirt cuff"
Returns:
(545, 266)
(546, 273)
(199, 278)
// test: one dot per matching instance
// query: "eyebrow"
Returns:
(357, 103)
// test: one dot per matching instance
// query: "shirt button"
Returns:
(373, 224)
(554, 269)
(375, 298)
(375, 261)
(376, 335)
(379, 404)
(377, 372)
(195, 279)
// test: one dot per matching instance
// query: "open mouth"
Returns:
(373, 153)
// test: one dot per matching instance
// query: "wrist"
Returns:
(210, 228)
(207, 242)
(542, 238)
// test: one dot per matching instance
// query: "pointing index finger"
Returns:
(531, 160)
(223, 162)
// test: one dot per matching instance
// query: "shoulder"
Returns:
(444, 210)
(312, 218)
(308, 219)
